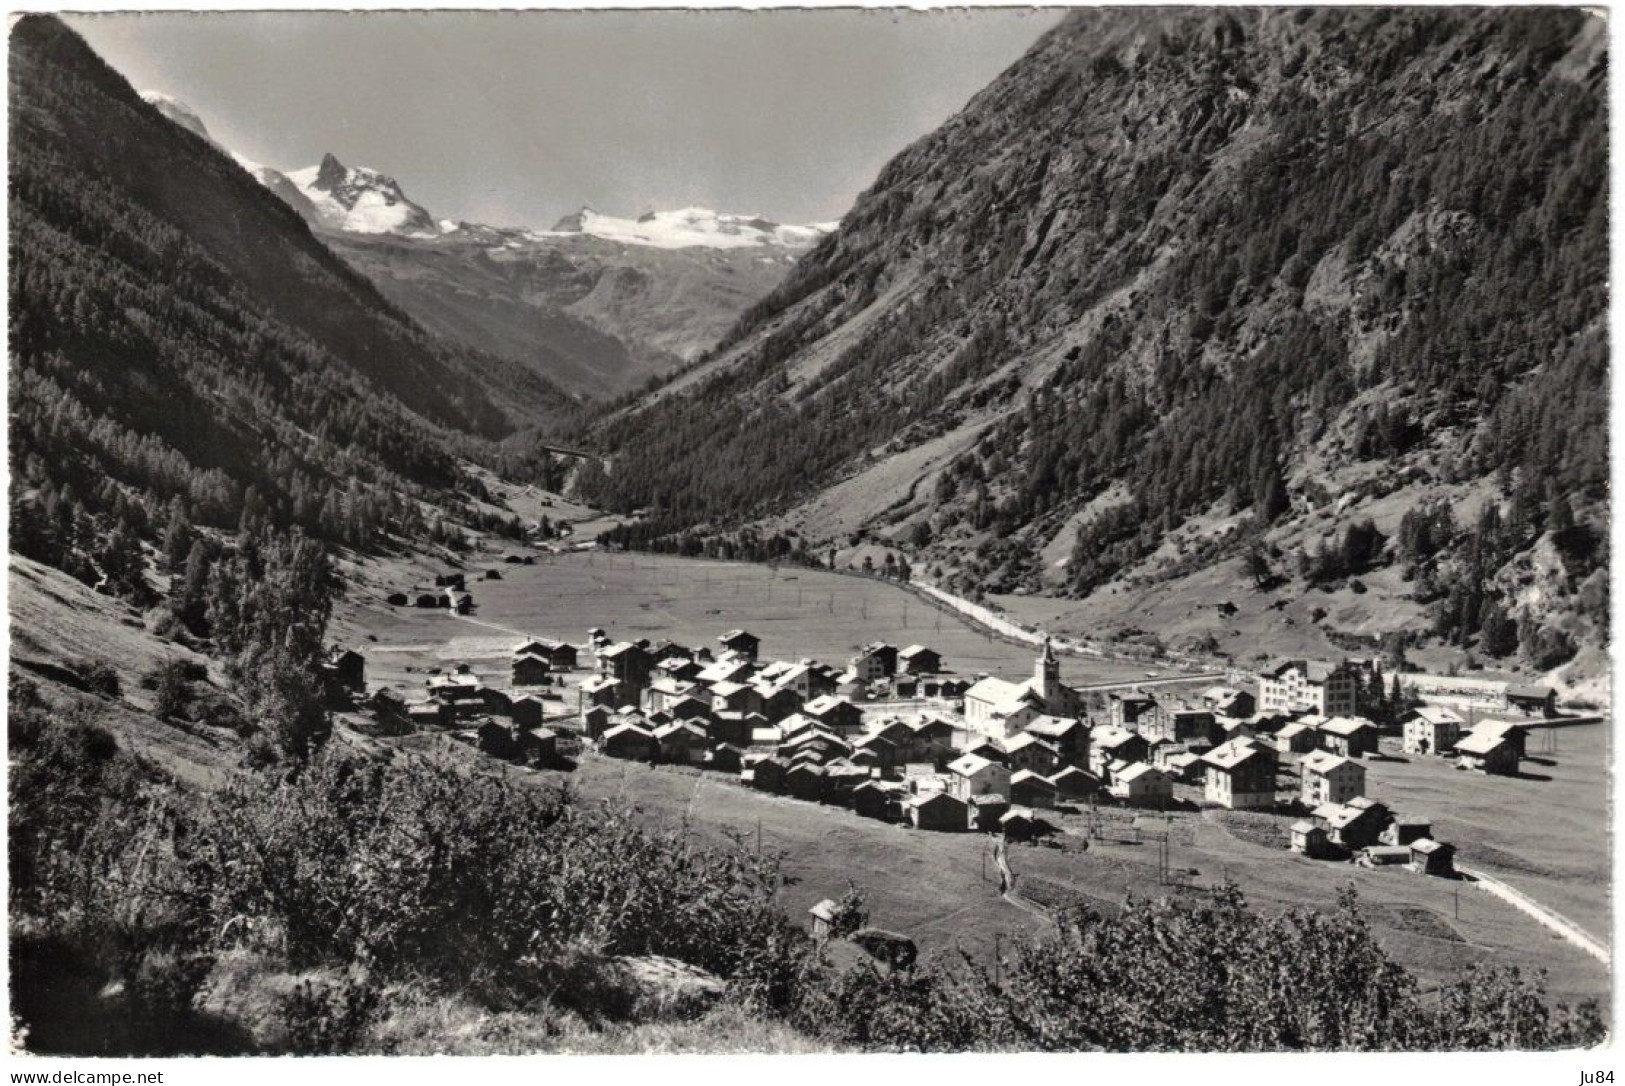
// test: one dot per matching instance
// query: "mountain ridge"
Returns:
(600, 305)
(1216, 264)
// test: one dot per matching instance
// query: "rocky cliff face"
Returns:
(1176, 284)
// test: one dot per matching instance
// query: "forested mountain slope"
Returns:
(1206, 275)
(177, 334)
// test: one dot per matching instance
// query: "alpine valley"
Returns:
(1277, 329)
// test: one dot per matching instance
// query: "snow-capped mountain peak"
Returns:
(691, 227)
(177, 111)
(361, 201)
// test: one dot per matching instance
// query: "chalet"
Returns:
(458, 581)
(731, 670)
(769, 775)
(972, 775)
(1350, 736)
(1430, 857)
(424, 713)
(689, 707)
(944, 687)
(849, 685)
(736, 697)
(1298, 737)
(626, 663)
(919, 660)
(725, 758)
(877, 751)
(460, 602)
(807, 679)
(841, 781)
(1383, 856)
(1073, 783)
(596, 721)
(1112, 743)
(1028, 751)
(777, 702)
(742, 644)
(1021, 824)
(498, 740)
(766, 737)
(455, 688)
(496, 701)
(682, 741)
(1031, 789)
(1229, 701)
(878, 799)
(428, 599)
(1141, 785)
(628, 741)
(938, 811)
(893, 731)
(492, 575)
(1332, 690)
(1184, 766)
(1534, 700)
(398, 599)
(681, 668)
(991, 749)
(560, 655)
(1309, 839)
(1430, 729)
(665, 691)
(1126, 709)
(1487, 751)
(824, 915)
(1329, 778)
(930, 740)
(805, 781)
(602, 690)
(538, 746)
(1175, 722)
(1404, 830)
(835, 713)
(1240, 775)
(1354, 825)
(815, 745)
(1513, 732)
(531, 670)
(986, 811)
(905, 686)
(527, 710)
(1068, 735)
(348, 668)
(875, 661)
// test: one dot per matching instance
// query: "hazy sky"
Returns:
(519, 118)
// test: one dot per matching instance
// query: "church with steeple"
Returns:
(997, 708)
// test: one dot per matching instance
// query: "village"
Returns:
(897, 736)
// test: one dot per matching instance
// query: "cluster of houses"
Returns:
(505, 721)
(989, 755)
(1489, 746)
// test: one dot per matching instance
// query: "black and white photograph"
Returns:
(809, 531)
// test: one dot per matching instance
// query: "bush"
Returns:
(98, 677)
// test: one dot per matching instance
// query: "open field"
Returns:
(1414, 916)
(1546, 832)
(931, 885)
(796, 612)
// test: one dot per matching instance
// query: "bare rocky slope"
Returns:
(1192, 294)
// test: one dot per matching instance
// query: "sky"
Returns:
(519, 118)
